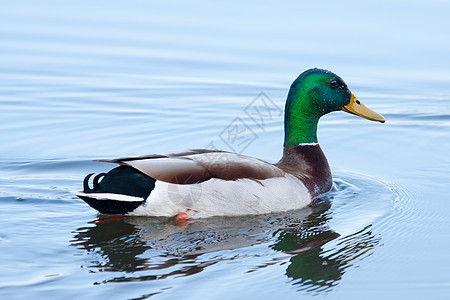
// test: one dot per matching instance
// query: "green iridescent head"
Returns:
(313, 94)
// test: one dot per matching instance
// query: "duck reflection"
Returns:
(162, 249)
(318, 269)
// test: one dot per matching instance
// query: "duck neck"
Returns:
(308, 163)
(300, 124)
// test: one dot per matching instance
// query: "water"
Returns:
(82, 81)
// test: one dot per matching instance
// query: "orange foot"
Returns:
(181, 219)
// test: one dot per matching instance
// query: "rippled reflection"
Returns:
(156, 248)
(319, 270)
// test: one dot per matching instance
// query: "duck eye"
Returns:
(334, 83)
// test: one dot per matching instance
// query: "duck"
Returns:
(201, 183)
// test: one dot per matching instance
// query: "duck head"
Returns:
(313, 94)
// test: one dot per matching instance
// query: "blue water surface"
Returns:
(102, 79)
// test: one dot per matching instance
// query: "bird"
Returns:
(200, 183)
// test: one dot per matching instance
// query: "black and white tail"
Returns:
(119, 191)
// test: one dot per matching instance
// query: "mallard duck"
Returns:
(201, 183)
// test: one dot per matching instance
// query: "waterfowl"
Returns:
(202, 182)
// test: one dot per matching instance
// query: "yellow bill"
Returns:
(357, 108)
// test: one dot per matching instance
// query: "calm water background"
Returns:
(103, 79)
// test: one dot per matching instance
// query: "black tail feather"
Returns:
(96, 179)
(112, 207)
(86, 187)
(123, 180)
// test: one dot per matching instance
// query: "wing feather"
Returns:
(198, 165)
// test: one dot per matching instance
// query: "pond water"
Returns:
(88, 80)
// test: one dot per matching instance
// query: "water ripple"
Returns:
(319, 243)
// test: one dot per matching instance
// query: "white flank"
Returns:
(217, 197)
